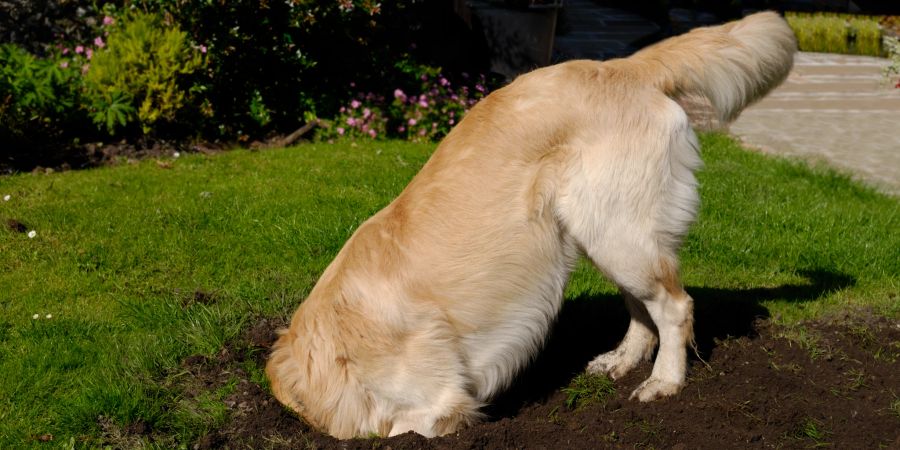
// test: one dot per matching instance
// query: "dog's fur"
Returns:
(437, 301)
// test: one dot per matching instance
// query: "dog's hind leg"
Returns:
(628, 210)
(671, 309)
(650, 283)
(637, 345)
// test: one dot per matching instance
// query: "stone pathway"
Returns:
(833, 108)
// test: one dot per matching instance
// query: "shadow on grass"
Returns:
(590, 325)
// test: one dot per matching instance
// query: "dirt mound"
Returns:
(834, 383)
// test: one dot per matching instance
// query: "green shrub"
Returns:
(866, 36)
(38, 25)
(820, 33)
(138, 76)
(273, 65)
(37, 95)
(837, 33)
(892, 46)
(421, 111)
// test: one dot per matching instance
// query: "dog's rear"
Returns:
(435, 303)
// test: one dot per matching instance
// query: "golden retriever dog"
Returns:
(437, 301)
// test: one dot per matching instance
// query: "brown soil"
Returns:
(83, 156)
(840, 388)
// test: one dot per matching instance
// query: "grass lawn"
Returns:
(133, 268)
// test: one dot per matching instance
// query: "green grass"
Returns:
(587, 389)
(812, 429)
(119, 253)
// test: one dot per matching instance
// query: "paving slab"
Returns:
(834, 108)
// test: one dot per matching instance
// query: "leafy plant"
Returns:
(113, 111)
(136, 76)
(36, 94)
(258, 110)
(428, 113)
(435, 107)
(361, 118)
(892, 46)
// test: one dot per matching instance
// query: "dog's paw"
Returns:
(654, 389)
(611, 363)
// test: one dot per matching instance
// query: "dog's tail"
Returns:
(732, 65)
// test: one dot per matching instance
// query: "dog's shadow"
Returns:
(590, 325)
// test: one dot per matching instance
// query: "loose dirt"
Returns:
(832, 383)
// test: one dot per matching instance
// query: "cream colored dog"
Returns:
(437, 301)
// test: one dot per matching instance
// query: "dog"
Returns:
(438, 300)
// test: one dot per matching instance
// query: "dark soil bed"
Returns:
(840, 388)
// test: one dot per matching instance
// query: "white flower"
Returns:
(176, 154)
(32, 234)
(36, 316)
(49, 316)
(6, 197)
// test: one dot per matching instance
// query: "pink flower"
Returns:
(202, 49)
(399, 95)
(411, 121)
(372, 133)
(98, 41)
(355, 104)
(479, 88)
(366, 113)
(64, 64)
(422, 132)
(401, 129)
(343, 110)
(65, 51)
(451, 122)
(351, 121)
(107, 20)
(444, 81)
(423, 103)
(340, 131)
(89, 53)
(79, 49)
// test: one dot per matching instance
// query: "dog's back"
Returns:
(438, 300)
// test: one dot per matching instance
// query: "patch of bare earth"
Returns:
(840, 388)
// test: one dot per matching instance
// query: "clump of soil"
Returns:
(839, 388)
(15, 225)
